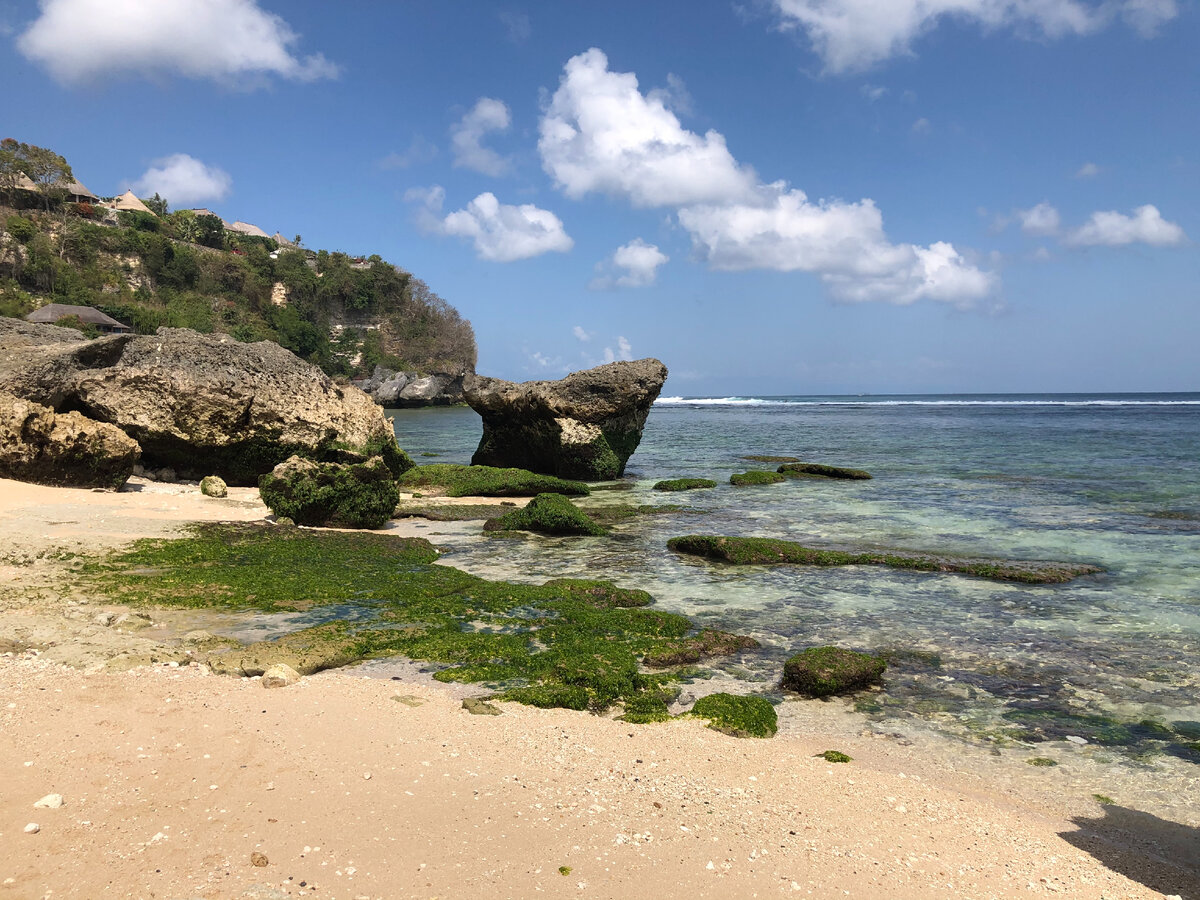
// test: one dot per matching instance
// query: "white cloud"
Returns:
(1088, 170)
(843, 243)
(640, 262)
(599, 133)
(921, 126)
(184, 181)
(1042, 220)
(467, 134)
(232, 41)
(624, 351)
(580, 334)
(501, 233)
(420, 150)
(852, 35)
(1113, 229)
(873, 92)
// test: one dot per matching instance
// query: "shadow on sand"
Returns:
(1162, 855)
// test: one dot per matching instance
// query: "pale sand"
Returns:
(172, 779)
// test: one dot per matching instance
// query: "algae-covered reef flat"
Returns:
(488, 481)
(745, 551)
(566, 643)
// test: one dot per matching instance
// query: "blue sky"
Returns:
(771, 196)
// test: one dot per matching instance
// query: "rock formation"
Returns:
(406, 390)
(355, 495)
(584, 426)
(64, 449)
(201, 404)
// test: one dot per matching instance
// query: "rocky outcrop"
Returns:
(585, 426)
(357, 495)
(201, 404)
(406, 390)
(64, 449)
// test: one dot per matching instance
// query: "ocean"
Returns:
(1111, 662)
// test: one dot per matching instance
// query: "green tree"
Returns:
(212, 232)
(46, 169)
(157, 205)
(12, 167)
(186, 226)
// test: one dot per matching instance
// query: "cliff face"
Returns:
(407, 390)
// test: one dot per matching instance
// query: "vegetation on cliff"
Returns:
(345, 314)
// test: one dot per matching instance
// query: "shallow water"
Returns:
(1112, 480)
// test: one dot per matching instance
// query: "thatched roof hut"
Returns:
(89, 315)
(74, 190)
(247, 228)
(129, 202)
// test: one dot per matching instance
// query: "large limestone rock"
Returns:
(201, 404)
(584, 426)
(39, 445)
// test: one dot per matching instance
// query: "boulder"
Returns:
(547, 514)
(349, 495)
(405, 390)
(214, 486)
(584, 426)
(824, 671)
(198, 403)
(65, 449)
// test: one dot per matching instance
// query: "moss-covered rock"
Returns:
(349, 496)
(740, 716)
(684, 484)
(825, 671)
(599, 594)
(836, 756)
(744, 551)
(213, 486)
(819, 470)
(707, 644)
(755, 476)
(547, 514)
(487, 481)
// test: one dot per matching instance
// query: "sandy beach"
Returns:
(180, 784)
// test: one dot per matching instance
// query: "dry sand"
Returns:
(176, 782)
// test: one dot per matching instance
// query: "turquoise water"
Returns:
(1112, 480)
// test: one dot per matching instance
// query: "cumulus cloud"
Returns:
(843, 243)
(1042, 220)
(1088, 170)
(624, 351)
(226, 40)
(600, 133)
(501, 233)
(632, 265)
(852, 35)
(184, 181)
(580, 334)
(467, 135)
(1113, 229)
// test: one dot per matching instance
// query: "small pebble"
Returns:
(50, 801)
(258, 859)
(33, 828)
(1074, 739)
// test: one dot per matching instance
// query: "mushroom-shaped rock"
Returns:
(584, 426)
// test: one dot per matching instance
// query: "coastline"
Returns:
(459, 804)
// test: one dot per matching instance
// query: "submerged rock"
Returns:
(361, 495)
(195, 401)
(684, 484)
(820, 470)
(825, 671)
(584, 426)
(755, 476)
(64, 449)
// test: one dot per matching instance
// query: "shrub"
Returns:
(21, 229)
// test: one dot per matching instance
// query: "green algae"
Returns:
(684, 484)
(1104, 799)
(745, 551)
(445, 512)
(488, 481)
(825, 671)
(708, 643)
(568, 643)
(799, 469)
(615, 513)
(740, 716)
(1042, 762)
(355, 495)
(835, 756)
(547, 514)
(755, 476)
